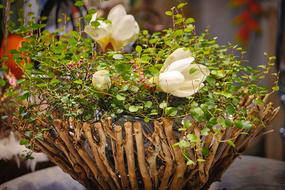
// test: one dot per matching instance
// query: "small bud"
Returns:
(101, 80)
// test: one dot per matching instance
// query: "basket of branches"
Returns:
(130, 109)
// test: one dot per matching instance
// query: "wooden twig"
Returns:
(141, 156)
(87, 130)
(119, 157)
(152, 158)
(97, 175)
(180, 161)
(62, 131)
(102, 154)
(166, 155)
(129, 148)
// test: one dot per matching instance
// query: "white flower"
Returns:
(122, 30)
(179, 77)
(101, 80)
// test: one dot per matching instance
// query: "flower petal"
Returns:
(124, 32)
(196, 72)
(187, 89)
(169, 81)
(116, 13)
(180, 53)
(191, 85)
(125, 29)
(101, 35)
(97, 33)
(183, 93)
(180, 65)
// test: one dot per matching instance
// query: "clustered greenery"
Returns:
(65, 64)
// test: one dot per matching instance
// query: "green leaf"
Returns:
(20, 81)
(79, 3)
(228, 123)
(212, 121)
(55, 81)
(192, 138)
(168, 13)
(41, 85)
(205, 131)
(222, 122)
(181, 5)
(25, 95)
(190, 20)
(24, 141)
(95, 24)
(197, 114)
(211, 80)
(183, 144)
(230, 109)
(186, 123)
(154, 112)
(242, 124)
(259, 102)
(124, 69)
(78, 81)
(218, 73)
(275, 88)
(135, 108)
(92, 11)
(148, 104)
(146, 119)
(231, 143)
(125, 88)
(120, 97)
(171, 111)
(225, 94)
(205, 151)
(138, 49)
(2, 82)
(163, 105)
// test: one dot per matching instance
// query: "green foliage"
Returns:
(63, 80)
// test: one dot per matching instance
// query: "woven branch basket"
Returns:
(112, 156)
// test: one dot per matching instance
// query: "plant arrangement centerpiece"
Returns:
(130, 109)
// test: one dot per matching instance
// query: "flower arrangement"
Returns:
(131, 109)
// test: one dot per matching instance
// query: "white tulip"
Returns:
(122, 30)
(179, 77)
(101, 80)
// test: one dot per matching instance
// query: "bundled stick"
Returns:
(110, 156)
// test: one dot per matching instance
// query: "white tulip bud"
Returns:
(101, 80)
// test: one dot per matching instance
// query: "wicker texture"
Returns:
(112, 156)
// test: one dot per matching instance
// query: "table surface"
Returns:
(246, 173)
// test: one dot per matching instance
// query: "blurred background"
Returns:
(256, 25)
